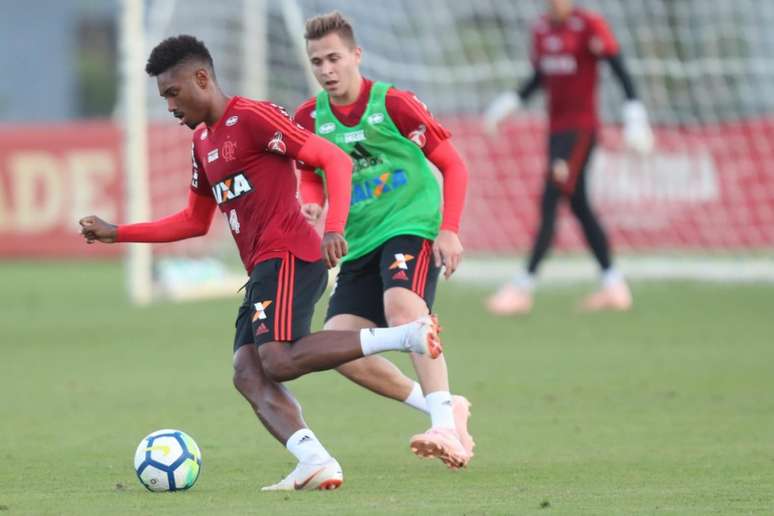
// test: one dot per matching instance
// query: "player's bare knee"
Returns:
(277, 362)
(398, 314)
(402, 306)
(244, 374)
(402, 315)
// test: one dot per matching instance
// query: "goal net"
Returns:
(701, 205)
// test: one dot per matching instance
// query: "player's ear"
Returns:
(358, 54)
(202, 77)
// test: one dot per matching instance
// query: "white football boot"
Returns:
(310, 477)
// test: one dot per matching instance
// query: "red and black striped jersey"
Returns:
(566, 55)
(246, 162)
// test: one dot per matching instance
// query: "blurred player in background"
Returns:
(398, 240)
(243, 163)
(567, 44)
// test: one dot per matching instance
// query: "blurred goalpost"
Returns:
(701, 207)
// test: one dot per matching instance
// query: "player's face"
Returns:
(335, 64)
(184, 87)
(559, 9)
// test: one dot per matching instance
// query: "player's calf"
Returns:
(326, 350)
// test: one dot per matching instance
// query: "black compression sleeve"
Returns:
(530, 86)
(622, 74)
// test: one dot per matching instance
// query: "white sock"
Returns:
(376, 340)
(611, 277)
(416, 399)
(439, 404)
(525, 281)
(306, 448)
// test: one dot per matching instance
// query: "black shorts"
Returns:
(568, 156)
(279, 301)
(403, 261)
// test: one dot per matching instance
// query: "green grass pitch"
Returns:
(668, 409)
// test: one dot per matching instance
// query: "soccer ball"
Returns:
(167, 460)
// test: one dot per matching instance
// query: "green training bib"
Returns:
(394, 190)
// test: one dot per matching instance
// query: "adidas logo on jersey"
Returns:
(231, 188)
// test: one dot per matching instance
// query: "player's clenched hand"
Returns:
(311, 212)
(95, 229)
(333, 248)
(447, 250)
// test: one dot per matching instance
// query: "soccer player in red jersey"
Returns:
(243, 164)
(567, 45)
(399, 238)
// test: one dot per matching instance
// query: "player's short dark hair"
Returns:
(175, 50)
(320, 26)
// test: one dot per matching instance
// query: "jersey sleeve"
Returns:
(274, 129)
(455, 181)
(414, 120)
(192, 221)
(602, 41)
(303, 117)
(199, 183)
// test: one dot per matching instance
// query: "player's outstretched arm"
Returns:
(447, 247)
(192, 221)
(508, 102)
(320, 153)
(637, 133)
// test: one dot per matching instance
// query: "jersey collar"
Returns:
(225, 114)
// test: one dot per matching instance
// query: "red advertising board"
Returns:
(50, 176)
(707, 188)
(710, 187)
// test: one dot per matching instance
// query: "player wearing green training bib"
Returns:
(394, 191)
(398, 235)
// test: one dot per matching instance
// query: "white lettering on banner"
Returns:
(4, 209)
(43, 191)
(90, 173)
(688, 177)
(38, 189)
